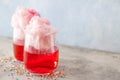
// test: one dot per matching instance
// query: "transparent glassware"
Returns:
(41, 53)
(18, 43)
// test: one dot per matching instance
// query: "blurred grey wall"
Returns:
(84, 23)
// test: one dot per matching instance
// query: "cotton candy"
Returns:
(20, 19)
(42, 33)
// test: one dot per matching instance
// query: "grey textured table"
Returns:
(75, 64)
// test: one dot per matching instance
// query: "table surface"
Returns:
(74, 64)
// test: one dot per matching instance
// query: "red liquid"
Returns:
(18, 52)
(41, 63)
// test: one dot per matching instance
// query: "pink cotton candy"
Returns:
(39, 25)
(37, 21)
(20, 20)
(43, 33)
(22, 17)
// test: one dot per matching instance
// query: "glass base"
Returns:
(40, 74)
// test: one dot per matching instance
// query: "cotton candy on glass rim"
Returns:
(43, 33)
(19, 22)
